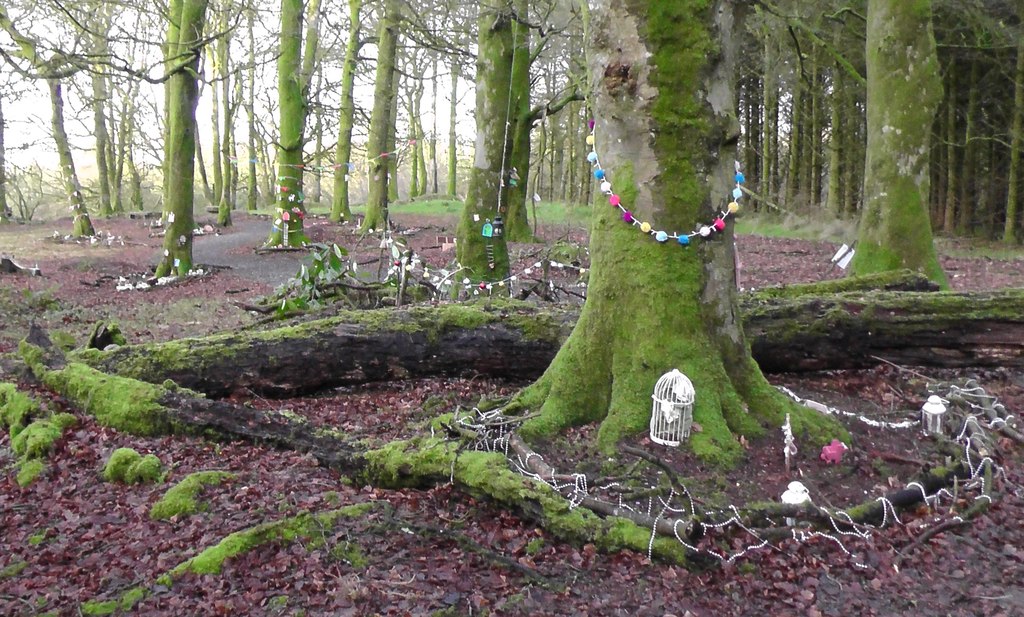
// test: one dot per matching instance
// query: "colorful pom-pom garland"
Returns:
(703, 231)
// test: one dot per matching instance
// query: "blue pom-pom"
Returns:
(661, 236)
(599, 174)
(737, 193)
(684, 240)
(592, 157)
(740, 178)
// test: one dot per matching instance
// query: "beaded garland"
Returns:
(704, 231)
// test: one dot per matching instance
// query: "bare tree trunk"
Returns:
(453, 146)
(1014, 202)
(343, 166)
(82, 224)
(380, 124)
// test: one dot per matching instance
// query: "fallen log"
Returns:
(9, 266)
(517, 341)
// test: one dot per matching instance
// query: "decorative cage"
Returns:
(672, 413)
(932, 415)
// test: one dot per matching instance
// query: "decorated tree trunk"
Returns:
(904, 90)
(183, 95)
(380, 119)
(81, 224)
(664, 138)
(342, 160)
(482, 248)
(293, 74)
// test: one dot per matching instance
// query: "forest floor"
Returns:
(69, 537)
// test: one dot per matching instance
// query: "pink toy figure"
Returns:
(833, 452)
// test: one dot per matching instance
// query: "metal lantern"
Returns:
(672, 413)
(499, 226)
(932, 415)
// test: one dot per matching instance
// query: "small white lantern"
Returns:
(672, 413)
(932, 415)
(795, 495)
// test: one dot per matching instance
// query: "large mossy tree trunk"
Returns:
(904, 89)
(485, 257)
(663, 81)
(1014, 202)
(340, 210)
(182, 98)
(81, 223)
(380, 119)
(294, 71)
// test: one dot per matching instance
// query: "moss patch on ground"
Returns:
(127, 466)
(30, 441)
(181, 499)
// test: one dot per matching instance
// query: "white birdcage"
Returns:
(672, 412)
(932, 415)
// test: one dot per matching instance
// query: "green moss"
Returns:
(895, 279)
(126, 602)
(128, 466)
(37, 538)
(211, 560)
(29, 470)
(534, 546)
(37, 438)
(13, 570)
(15, 408)
(117, 402)
(63, 340)
(180, 499)
(350, 553)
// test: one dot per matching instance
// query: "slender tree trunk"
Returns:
(666, 137)
(99, 101)
(433, 131)
(1013, 192)
(949, 211)
(227, 166)
(183, 96)
(392, 138)
(218, 168)
(200, 164)
(318, 136)
(250, 111)
(81, 224)
(795, 120)
(5, 210)
(966, 223)
(453, 146)
(904, 92)
(343, 166)
(380, 124)
(124, 144)
(136, 184)
(834, 200)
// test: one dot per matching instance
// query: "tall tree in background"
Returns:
(485, 257)
(295, 68)
(381, 124)
(904, 90)
(663, 78)
(188, 17)
(343, 167)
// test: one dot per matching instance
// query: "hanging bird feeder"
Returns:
(932, 415)
(672, 413)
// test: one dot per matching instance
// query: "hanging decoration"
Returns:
(682, 238)
(789, 444)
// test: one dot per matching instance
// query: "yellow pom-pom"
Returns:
(590, 140)
(645, 227)
(734, 208)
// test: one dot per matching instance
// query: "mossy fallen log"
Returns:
(419, 462)
(789, 332)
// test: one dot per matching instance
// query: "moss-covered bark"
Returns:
(380, 118)
(182, 98)
(346, 118)
(1014, 202)
(904, 90)
(294, 71)
(666, 133)
(485, 257)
